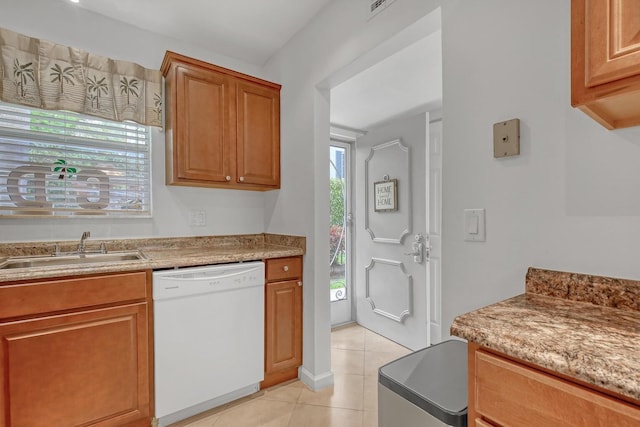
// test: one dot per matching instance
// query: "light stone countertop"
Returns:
(569, 332)
(159, 253)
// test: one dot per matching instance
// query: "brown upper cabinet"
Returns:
(605, 61)
(222, 127)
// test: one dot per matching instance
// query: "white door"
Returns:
(391, 220)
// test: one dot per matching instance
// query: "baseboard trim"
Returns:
(317, 382)
(273, 378)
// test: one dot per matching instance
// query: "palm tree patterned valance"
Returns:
(42, 74)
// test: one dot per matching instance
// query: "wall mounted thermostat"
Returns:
(506, 138)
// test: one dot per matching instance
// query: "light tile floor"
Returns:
(356, 355)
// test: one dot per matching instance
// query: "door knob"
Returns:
(242, 179)
(418, 249)
(228, 178)
(285, 268)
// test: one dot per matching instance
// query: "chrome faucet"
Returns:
(81, 248)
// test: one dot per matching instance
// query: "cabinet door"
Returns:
(258, 134)
(76, 369)
(204, 133)
(605, 61)
(283, 327)
(612, 40)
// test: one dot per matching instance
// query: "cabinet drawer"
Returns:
(55, 295)
(510, 394)
(283, 268)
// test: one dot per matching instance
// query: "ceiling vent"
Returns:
(377, 6)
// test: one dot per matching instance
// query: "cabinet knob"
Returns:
(285, 268)
(299, 283)
(228, 178)
(242, 179)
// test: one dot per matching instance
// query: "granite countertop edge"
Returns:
(162, 254)
(594, 344)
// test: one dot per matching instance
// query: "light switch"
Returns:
(506, 138)
(474, 225)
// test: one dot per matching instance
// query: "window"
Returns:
(61, 163)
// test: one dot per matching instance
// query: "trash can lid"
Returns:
(434, 379)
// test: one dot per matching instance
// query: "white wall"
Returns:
(336, 37)
(570, 201)
(228, 212)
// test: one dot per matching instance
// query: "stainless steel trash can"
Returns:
(427, 388)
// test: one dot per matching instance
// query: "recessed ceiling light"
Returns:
(74, 1)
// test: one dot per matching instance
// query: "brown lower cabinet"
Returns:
(283, 320)
(76, 352)
(504, 392)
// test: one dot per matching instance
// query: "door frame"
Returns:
(316, 370)
(344, 311)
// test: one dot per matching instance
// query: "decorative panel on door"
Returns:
(387, 161)
(389, 289)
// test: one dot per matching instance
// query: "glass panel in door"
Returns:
(339, 206)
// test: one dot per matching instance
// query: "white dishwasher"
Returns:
(208, 337)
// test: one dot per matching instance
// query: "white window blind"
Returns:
(62, 163)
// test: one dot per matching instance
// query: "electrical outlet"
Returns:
(197, 218)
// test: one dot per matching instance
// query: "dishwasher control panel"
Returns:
(215, 278)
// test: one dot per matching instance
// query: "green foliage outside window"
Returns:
(336, 201)
(336, 221)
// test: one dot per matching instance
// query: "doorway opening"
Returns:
(397, 83)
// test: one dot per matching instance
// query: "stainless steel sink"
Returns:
(75, 259)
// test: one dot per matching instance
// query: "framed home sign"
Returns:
(385, 195)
